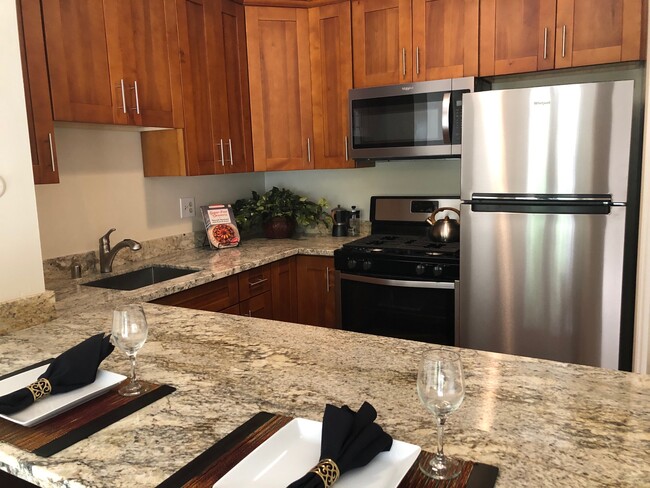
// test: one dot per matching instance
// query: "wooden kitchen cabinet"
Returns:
(280, 82)
(37, 92)
(213, 297)
(316, 291)
(260, 306)
(254, 282)
(284, 287)
(330, 44)
(399, 41)
(531, 35)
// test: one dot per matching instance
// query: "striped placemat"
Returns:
(214, 463)
(80, 422)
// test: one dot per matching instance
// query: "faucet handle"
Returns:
(105, 239)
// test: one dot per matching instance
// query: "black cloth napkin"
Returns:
(351, 439)
(72, 369)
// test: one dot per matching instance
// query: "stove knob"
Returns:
(437, 270)
(367, 265)
(420, 269)
(352, 263)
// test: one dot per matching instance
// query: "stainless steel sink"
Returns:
(141, 277)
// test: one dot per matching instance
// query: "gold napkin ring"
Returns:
(328, 471)
(40, 389)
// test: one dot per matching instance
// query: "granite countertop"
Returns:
(544, 424)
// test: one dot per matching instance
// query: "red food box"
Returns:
(220, 226)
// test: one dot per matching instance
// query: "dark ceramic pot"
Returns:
(279, 227)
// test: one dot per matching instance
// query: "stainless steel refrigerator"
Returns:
(544, 174)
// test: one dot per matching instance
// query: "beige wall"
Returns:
(102, 186)
(21, 270)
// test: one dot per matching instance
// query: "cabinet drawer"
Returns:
(213, 297)
(260, 306)
(233, 310)
(254, 282)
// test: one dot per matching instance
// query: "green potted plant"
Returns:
(278, 211)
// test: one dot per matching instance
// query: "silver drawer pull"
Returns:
(327, 279)
(258, 282)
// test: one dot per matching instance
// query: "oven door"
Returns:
(415, 310)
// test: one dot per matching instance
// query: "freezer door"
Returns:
(542, 285)
(569, 139)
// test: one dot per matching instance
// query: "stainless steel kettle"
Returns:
(444, 230)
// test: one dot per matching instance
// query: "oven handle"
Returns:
(440, 285)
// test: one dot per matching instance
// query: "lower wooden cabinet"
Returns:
(284, 286)
(260, 306)
(316, 292)
(213, 297)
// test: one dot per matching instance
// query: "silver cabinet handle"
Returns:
(137, 98)
(347, 152)
(123, 95)
(446, 105)
(545, 41)
(308, 150)
(403, 62)
(417, 60)
(563, 40)
(251, 284)
(327, 279)
(230, 151)
(250, 313)
(220, 144)
(49, 138)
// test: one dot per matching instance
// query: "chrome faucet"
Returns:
(107, 255)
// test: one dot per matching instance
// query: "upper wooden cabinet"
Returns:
(217, 135)
(113, 61)
(529, 35)
(330, 43)
(399, 41)
(280, 84)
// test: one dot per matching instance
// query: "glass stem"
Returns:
(441, 432)
(133, 376)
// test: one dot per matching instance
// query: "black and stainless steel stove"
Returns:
(398, 282)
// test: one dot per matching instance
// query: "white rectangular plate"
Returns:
(294, 449)
(55, 404)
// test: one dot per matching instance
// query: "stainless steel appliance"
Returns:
(544, 186)
(397, 282)
(414, 120)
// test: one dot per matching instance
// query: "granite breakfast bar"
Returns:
(544, 424)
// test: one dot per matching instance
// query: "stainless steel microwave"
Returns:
(414, 120)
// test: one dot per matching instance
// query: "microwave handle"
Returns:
(446, 105)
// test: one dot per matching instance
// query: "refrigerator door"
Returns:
(568, 139)
(544, 285)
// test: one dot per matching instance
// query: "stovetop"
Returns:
(403, 245)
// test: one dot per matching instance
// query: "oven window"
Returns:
(419, 314)
(401, 121)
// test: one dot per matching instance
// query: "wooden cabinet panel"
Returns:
(214, 296)
(381, 42)
(280, 81)
(284, 290)
(445, 39)
(330, 43)
(77, 60)
(234, 86)
(316, 293)
(232, 310)
(260, 306)
(37, 92)
(254, 281)
(591, 32)
(516, 36)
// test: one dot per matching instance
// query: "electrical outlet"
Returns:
(187, 208)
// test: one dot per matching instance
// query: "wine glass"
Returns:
(129, 334)
(441, 389)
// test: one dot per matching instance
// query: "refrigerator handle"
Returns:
(446, 105)
(457, 313)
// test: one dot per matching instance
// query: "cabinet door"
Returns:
(445, 39)
(143, 51)
(260, 306)
(280, 87)
(381, 42)
(316, 293)
(330, 45)
(37, 92)
(234, 82)
(516, 36)
(214, 296)
(77, 60)
(284, 290)
(606, 31)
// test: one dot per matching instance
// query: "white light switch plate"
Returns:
(187, 208)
